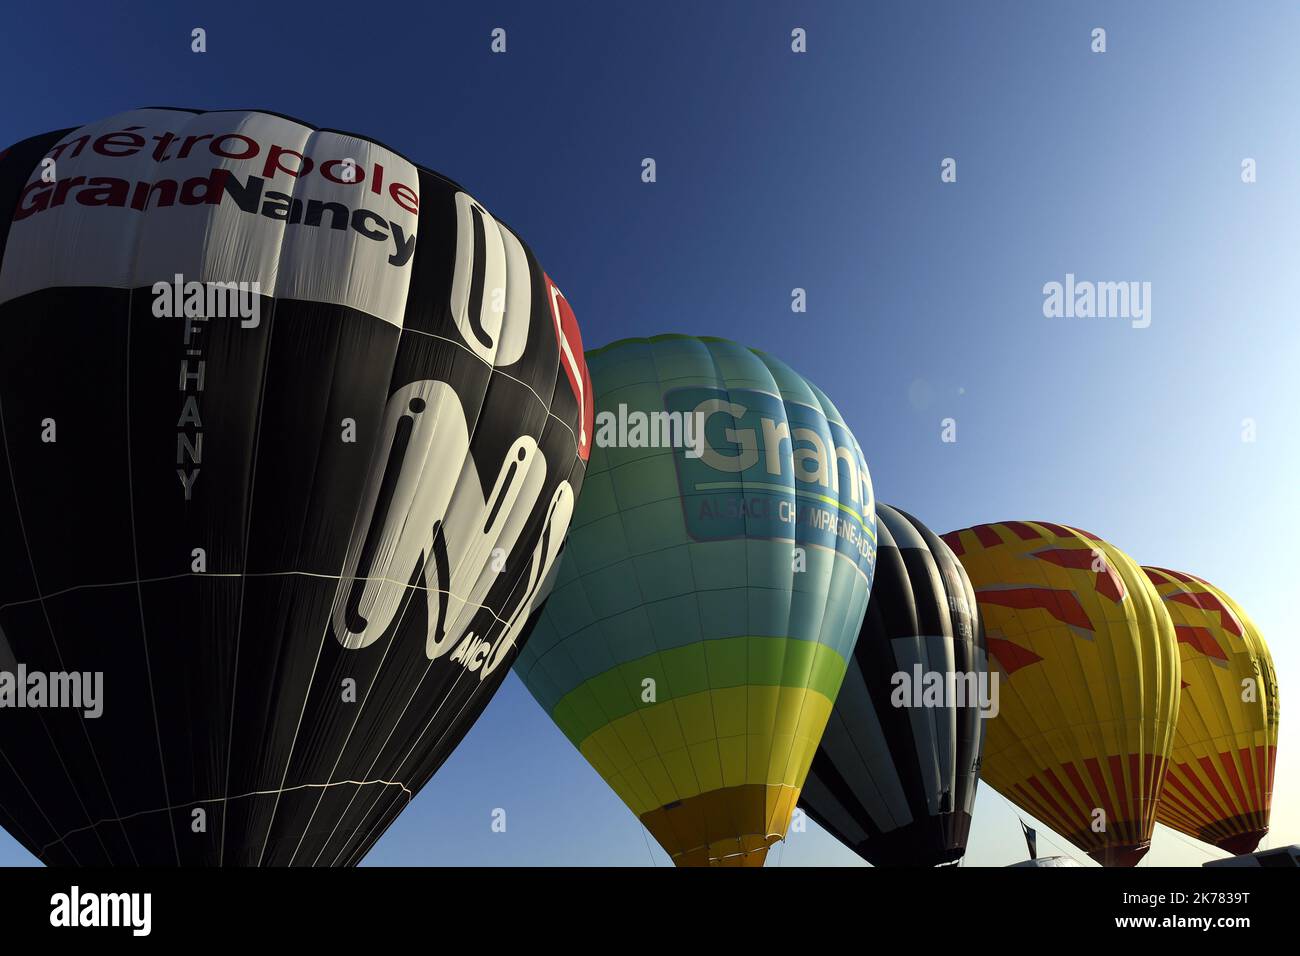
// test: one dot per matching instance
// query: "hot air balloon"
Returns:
(1220, 783)
(710, 593)
(292, 433)
(894, 778)
(1088, 690)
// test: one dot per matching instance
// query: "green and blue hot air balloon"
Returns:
(711, 590)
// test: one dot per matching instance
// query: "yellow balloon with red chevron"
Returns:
(1220, 785)
(1088, 675)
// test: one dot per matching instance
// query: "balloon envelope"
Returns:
(1088, 696)
(1220, 783)
(709, 597)
(894, 778)
(293, 525)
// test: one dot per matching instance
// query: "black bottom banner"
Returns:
(933, 907)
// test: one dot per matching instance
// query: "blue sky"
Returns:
(821, 171)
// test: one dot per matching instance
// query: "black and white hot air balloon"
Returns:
(292, 432)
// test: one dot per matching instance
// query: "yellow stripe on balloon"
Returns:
(711, 740)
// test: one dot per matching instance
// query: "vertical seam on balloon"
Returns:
(945, 769)
(248, 510)
(922, 746)
(725, 384)
(879, 707)
(978, 660)
(819, 644)
(1152, 735)
(1092, 729)
(311, 679)
(769, 815)
(1202, 814)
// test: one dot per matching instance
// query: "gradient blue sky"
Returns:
(821, 171)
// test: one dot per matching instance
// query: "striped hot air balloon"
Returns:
(895, 776)
(709, 597)
(1089, 682)
(1220, 783)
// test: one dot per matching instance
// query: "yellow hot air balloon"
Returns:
(1088, 688)
(1220, 783)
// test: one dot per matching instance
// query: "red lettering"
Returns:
(189, 142)
(104, 191)
(273, 164)
(39, 204)
(213, 187)
(166, 190)
(81, 141)
(160, 151)
(251, 149)
(62, 189)
(126, 143)
(405, 197)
